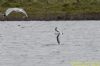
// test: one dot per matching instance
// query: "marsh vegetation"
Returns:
(54, 9)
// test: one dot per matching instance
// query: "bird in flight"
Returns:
(18, 10)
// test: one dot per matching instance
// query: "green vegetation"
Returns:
(38, 8)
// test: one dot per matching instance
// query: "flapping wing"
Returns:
(8, 11)
(24, 12)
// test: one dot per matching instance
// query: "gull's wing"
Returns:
(8, 11)
(24, 12)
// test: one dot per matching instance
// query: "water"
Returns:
(33, 43)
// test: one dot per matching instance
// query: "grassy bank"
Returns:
(45, 8)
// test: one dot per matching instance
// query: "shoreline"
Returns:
(51, 17)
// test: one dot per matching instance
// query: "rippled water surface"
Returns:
(33, 43)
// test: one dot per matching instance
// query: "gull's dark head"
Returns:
(4, 15)
(55, 27)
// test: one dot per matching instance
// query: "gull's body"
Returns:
(19, 10)
(58, 34)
